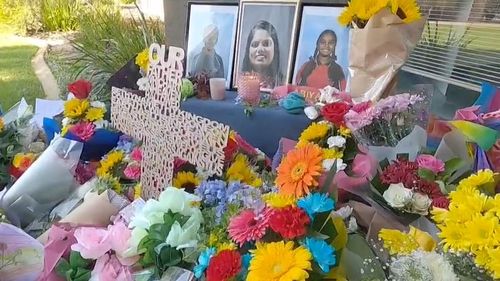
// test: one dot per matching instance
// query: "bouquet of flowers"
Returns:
(394, 27)
(9, 147)
(387, 122)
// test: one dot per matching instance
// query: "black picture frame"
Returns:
(229, 40)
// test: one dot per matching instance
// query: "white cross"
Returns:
(165, 130)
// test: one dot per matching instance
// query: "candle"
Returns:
(249, 89)
(217, 88)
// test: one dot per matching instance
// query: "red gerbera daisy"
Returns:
(289, 222)
(224, 266)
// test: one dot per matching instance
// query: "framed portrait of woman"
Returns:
(211, 35)
(266, 32)
(322, 49)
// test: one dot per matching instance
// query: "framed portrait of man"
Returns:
(266, 32)
(322, 50)
(211, 35)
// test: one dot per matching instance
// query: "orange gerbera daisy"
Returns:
(299, 169)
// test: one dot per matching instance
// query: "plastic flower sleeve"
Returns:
(46, 183)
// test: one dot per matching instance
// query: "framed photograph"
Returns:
(211, 35)
(322, 49)
(266, 32)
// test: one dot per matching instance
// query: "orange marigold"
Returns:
(299, 170)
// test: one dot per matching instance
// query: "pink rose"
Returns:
(136, 154)
(109, 268)
(92, 242)
(133, 171)
(119, 234)
(431, 163)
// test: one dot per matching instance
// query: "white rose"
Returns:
(311, 112)
(328, 163)
(143, 83)
(336, 141)
(98, 104)
(420, 203)
(398, 196)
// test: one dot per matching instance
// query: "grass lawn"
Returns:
(17, 78)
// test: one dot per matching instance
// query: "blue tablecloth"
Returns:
(263, 129)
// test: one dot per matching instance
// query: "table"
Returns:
(263, 129)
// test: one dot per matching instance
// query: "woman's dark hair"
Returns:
(274, 68)
(334, 70)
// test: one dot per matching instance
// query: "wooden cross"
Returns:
(167, 131)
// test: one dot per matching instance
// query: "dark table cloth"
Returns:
(263, 129)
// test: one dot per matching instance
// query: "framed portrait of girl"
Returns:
(211, 34)
(266, 31)
(322, 50)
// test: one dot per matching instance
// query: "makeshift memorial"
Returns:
(195, 139)
(394, 27)
(9, 147)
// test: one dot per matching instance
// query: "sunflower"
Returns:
(186, 180)
(407, 10)
(75, 108)
(142, 60)
(314, 132)
(277, 200)
(109, 162)
(299, 170)
(240, 170)
(279, 261)
(95, 114)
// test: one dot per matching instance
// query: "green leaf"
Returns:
(159, 231)
(62, 267)
(82, 274)
(355, 257)
(76, 260)
(168, 257)
(451, 167)
(378, 185)
(70, 274)
(426, 174)
(323, 224)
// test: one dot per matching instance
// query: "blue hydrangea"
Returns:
(323, 253)
(212, 193)
(315, 203)
(125, 143)
(203, 262)
(247, 197)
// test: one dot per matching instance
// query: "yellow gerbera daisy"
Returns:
(279, 261)
(95, 114)
(407, 10)
(186, 180)
(482, 258)
(142, 60)
(314, 132)
(279, 200)
(240, 170)
(331, 153)
(75, 108)
(397, 242)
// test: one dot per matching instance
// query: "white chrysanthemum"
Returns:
(440, 268)
(336, 141)
(421, 265)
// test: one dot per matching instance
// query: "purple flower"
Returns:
(247, 197)
(125, 143)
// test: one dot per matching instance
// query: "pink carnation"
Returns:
(133, 171)
(247, 226)
(362, 106)
(136, 154)
(109, 268)
(431, 163)
(83, 130)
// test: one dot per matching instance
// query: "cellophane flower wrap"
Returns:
(390, 120)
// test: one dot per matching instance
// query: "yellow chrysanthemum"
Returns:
(279, 200)
(314, 132)
(407, 10)
(492, 206)
(480, 231)
(76, 108)
(279, 261)
(397, 242)
(142, 60)
(494, 264)
(113, 183)
(2, 125)
(344, 131)
(482, 258)
(331, 153)
(226, 246)
(439, 215)
(95, 114)
(483, 180)
(137, 191)
(474, 202)
(241, 171)
(454, 237)
(186, 180)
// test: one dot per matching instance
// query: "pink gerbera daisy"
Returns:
(248, 226)
(83, 130)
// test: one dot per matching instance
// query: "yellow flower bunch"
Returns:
(95, 114)
(76, 108)
(109, 162)
(361, 11)
(2, 125)
(345, 132)
(279, 200)
(142, 60)
(314, 133)
(112, 182)
(226, 246)
(332, 153)
(400, 243)
(137, 191)
(472, 222)
(240, 170)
